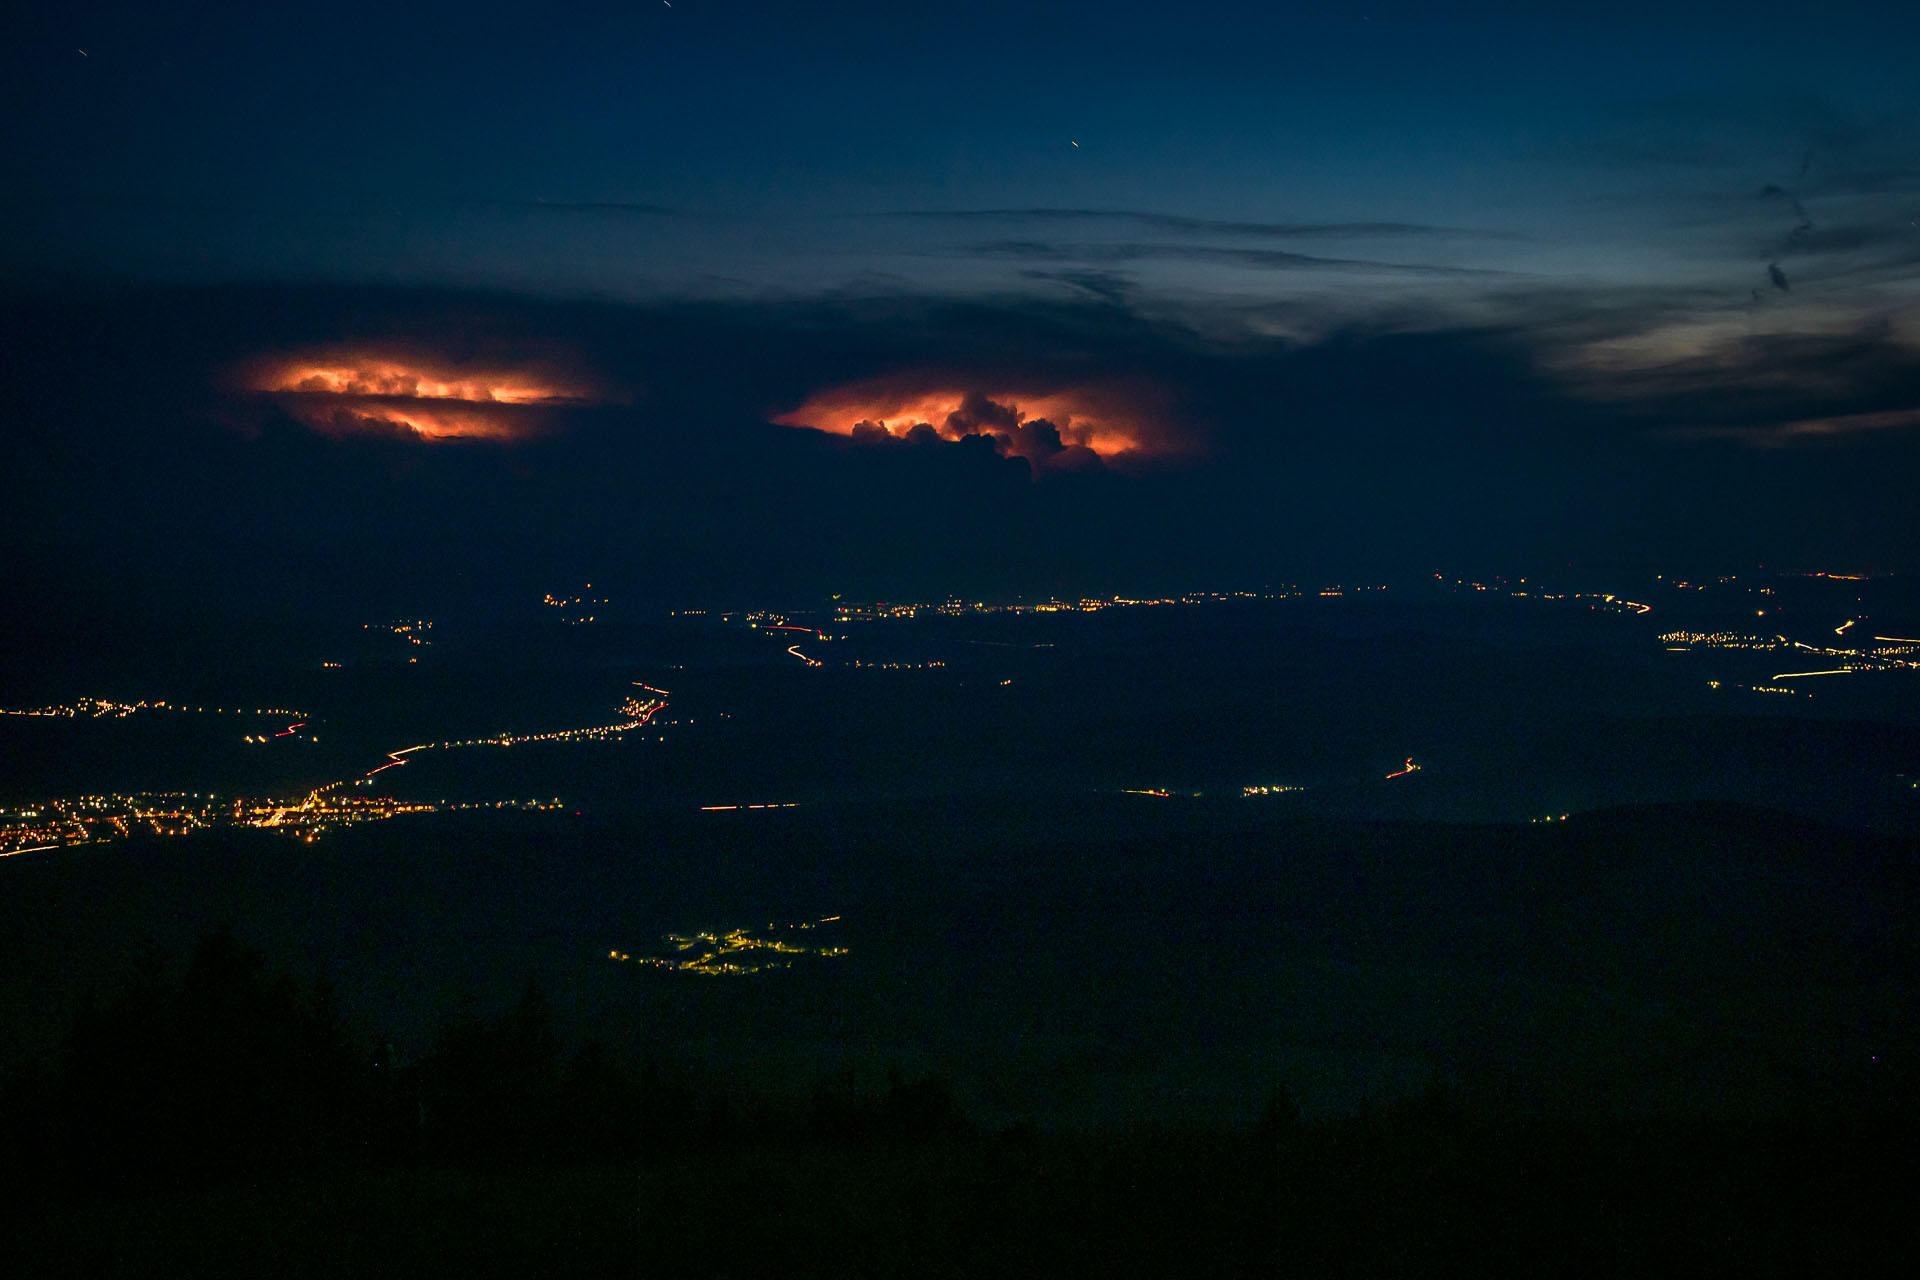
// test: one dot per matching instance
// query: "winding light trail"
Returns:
(794, 649)
(1401, 773)
(290, 729)
(642, 714)
(393, 757)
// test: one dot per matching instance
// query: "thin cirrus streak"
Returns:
(1776, 436)
(352, 393)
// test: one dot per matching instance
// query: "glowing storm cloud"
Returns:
(350, 394)
(1054, 431)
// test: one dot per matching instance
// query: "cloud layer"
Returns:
(890, 446)
(1071, 429)
(346, 392)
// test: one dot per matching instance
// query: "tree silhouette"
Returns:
(220, 1071)
(490, 1090)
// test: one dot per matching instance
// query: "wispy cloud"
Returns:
(1778, 435)
(1178, 223)
(1098, 252)
(1115, 287)
(636, 208)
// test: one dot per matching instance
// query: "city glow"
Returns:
(837, 627)
(71, 821)
(576, 610)
(736, 952)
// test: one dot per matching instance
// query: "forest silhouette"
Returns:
(213, 1115)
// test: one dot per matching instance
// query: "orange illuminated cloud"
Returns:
(349, 393)
(1054, 429)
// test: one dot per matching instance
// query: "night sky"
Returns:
(1184, 296)
(351, 353)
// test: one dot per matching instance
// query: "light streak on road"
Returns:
(36, 849)
(794, 649)
(1410, 768)
(290, 729)
(1841, 629)
(1896, 640)
(394, 757)
(1837, 671)
(641, 714)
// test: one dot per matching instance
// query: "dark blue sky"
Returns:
(1627, 281)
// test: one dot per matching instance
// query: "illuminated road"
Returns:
(393, 758)
(640, 711)
(92, 819)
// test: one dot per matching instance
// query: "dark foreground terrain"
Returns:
(1139, 1037)
(1417, 1190)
